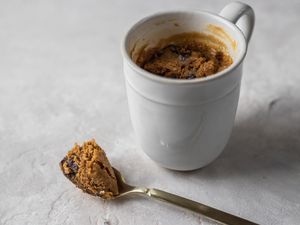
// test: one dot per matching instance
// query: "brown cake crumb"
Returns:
(89, 169)
(185, 58)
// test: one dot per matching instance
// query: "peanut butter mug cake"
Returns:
(186, 56)
(89, 169)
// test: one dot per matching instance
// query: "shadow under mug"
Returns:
(185, 124)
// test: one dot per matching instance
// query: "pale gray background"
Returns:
(61, 82)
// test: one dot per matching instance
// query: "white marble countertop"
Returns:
(61, 82)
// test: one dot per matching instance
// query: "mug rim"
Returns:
(166, 80)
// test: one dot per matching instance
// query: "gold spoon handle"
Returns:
(207, 211)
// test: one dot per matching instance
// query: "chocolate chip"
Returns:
(219, 56)
(173, 48)
(191, 76)
(158, 53)
(184, 54)
(72, 165)
(182, 57)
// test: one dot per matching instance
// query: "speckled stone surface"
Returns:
(61, 82)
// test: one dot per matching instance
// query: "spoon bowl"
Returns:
(123, 187)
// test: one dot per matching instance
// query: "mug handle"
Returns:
(242, 15)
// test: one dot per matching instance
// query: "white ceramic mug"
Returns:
(185, 124)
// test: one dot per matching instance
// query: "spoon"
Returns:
(209, 212)
(125, 189)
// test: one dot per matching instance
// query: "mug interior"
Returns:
(148, 32)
